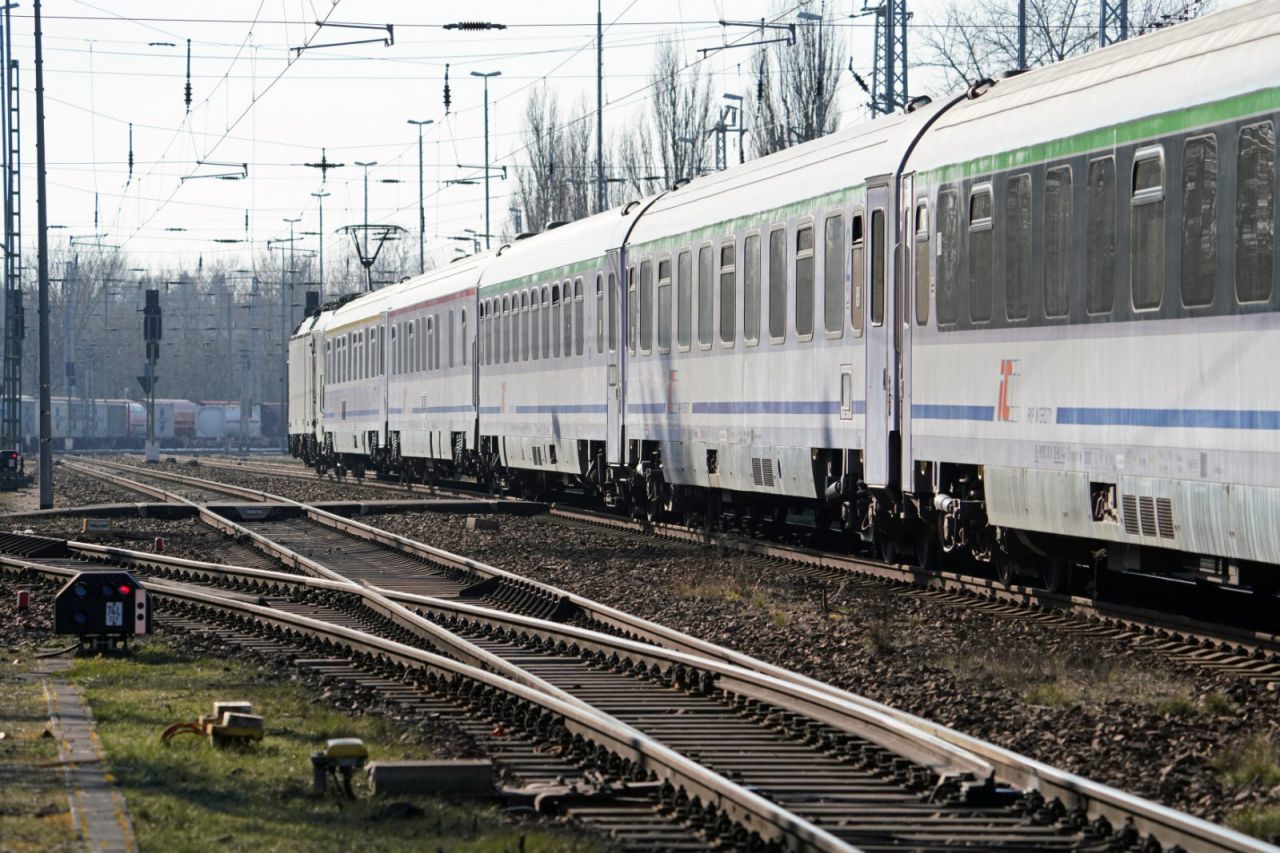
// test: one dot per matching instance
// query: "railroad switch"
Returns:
(341, 757)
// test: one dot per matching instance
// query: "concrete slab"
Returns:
(98, 811)
(463, 777)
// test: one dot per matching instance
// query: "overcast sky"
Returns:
(111, 63)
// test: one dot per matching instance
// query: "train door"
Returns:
(879, 338)
(377, 358)
(616, 396)
(905, 288)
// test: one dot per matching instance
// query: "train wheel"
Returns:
(1055, 575)
(885, 544)
(928, 546)
(1006, 569)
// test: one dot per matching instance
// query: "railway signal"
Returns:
(103, 609)
(151, 333)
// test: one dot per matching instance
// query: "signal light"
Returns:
(125, 589)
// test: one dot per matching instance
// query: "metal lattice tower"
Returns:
(11, 391)
(889, 76)
(1114, 23)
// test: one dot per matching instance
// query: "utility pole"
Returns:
(366, 166)
(14, 320)
(486, 76)
(1022, 34)
(322, 195)
(42, 267)
(889, 78)
(286, 302)
(422, 201)
(600, 185)
(1113, 25)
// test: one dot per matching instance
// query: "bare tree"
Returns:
(975, 39)
(796, 97)
(679, 110)
(540, 188)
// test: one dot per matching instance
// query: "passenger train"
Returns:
(1035, 322)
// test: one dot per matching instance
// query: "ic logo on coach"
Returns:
(1004, 411)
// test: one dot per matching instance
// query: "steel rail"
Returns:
(751, 811)
(835, 708)
(1166, 824)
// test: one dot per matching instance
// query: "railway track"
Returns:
(1253, 655)
(859, 769)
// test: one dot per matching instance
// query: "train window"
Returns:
(599, 313)
(833, 276)
(948, 255)
(452, 345)
(706, 296)
(395, 352)
(611, 290)
(382, 352)
(525, 346)
(566, 305)
(684, 299)
(1057, 241)
(504, 329)
(579, 316)
(1100, 237)
(778, 285)
(921, 262)
(488, 332)
(557, 307)
(429, 340)
(981, 253)
(857, 265)
(804, 282)
(664, 305)
(462, 335)
(1199, 219)
(728, 292)
(531, 318)
(1146, 228)
(413, 348)
(1255, 223)
(877, 267)
(646, 306)
(546, 321)
(751, 289)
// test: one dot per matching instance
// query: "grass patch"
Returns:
(1261, 822)
(1051, 694)
(34, 810)
(189, 796)
(1255, 761)
(1060, 680)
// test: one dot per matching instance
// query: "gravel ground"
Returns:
(1097, 707)
(1193, 739)
(287, 487)
(69, 489)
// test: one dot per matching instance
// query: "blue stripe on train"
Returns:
(1186, 418)
(949, 412)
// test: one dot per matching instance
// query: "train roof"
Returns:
(563, 250)
(438, 283)
(1106, 97)
(830, 166)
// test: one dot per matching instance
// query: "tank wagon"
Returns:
(1034, 322)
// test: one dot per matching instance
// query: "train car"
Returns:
(175, 421)
(550, 382)
(1031, 322)
(1095, 306)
